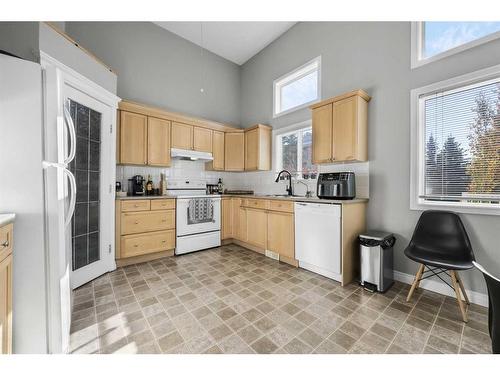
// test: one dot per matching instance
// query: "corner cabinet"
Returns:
(234, 152)
(218, 143)
(258, 148)
(340, 128)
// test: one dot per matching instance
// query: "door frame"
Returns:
(57, 262)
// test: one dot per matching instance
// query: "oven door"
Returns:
(183, 224)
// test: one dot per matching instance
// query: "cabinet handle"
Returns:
(163, 241)
(164, 220)
(136, 222)
(136, 245)
(136, 205)
(6, 243)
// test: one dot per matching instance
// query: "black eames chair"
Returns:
(493, 285)
(441, 245)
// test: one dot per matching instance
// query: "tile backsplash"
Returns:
(259, 182)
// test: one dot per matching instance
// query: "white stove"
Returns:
(198, 221)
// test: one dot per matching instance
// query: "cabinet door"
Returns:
(202, 139)
(182, 136)
(234, 152)
(280, 233)
(345, 135)
(257, 227)
(252, 150)
(133, 138)
(218, 151)
(147, 243)
(158, 142)
(242, 233)
(235, 207)
(6, 305)
(227, 219)
(322, 134)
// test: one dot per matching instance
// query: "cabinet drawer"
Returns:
(140, 222)
(140, 244)
(256, 203)
(135, 205)
(162, 204)
(281, 206)
(6, 240)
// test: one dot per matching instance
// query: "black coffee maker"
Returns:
(136, 185)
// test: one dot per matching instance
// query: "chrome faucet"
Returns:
(289, 189)
(308, 192)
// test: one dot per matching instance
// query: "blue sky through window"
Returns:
(441, 36)
(303, 90)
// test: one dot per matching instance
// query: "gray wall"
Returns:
(374, 57)
(20, 39)
(159, 68)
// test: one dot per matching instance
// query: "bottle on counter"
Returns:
(220, 186)
(149, 186)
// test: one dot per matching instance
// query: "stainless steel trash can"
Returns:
(376, 257)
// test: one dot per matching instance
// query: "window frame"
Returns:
(417, 29)
(291, 77)
(417, 143)
(277, 154)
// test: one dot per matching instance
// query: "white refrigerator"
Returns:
(40, 190)
(37, 147)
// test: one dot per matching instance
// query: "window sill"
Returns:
(474, 209)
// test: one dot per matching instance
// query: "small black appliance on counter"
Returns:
(338, 185)
(136, 185)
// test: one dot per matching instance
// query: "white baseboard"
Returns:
(441, 288)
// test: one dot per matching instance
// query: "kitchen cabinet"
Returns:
(217, 152)
(6, 233)
(340, 127)
(258, 148)
(234, 151)
(202, 139)
(145, 229)
(133, 138)
(322, 130)
(227, 218)
(256, 221)
(280, 233)
(158, 142)
(182, 136)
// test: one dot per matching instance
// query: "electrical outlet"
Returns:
(272, 255)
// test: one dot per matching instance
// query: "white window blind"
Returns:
(461, 156)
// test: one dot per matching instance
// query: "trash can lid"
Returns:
(376, 235)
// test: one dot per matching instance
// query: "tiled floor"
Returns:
(232, 300)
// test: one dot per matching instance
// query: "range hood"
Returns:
(178, 153)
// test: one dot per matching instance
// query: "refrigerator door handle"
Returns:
(72, 134)
(72, 202)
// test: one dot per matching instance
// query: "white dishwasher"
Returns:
(318, 238)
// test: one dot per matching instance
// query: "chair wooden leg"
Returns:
(462, 288)
(456, 286)
(416, 282)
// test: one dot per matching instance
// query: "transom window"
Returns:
(456, 139)
(298, 88)
(294, 153)
(434, 40)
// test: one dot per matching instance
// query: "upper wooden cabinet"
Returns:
(340, 127)
(158, 142)
(217, 152)
(258, 148)
(202, 139)
(182, 136)
(133, 134)
(234, 152)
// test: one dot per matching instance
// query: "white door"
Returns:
(91, 227)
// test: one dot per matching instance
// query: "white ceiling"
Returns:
(235, 41)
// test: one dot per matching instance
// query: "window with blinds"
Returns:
(460, 152)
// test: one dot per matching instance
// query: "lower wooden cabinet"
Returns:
(256, 227)
(260, 223)
(144, 228)
(281, 233)
(6, 289)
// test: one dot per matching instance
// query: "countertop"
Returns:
(260, 196)
(6, 219)
(144, 197)
(298, 198)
